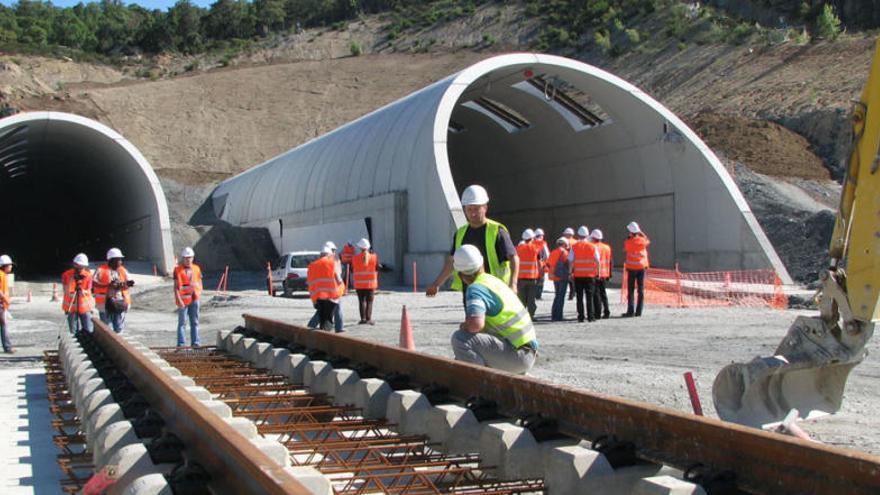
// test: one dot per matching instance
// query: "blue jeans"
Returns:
(337, 318)
(558, 300)
(193, 311)
(85, 322)
(115, 320)
(4, 331)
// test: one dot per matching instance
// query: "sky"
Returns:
(148, 4)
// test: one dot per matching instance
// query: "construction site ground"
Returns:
(641, 359)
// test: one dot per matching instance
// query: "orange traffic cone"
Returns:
(54, 293)
(29, 295)
(406, 336)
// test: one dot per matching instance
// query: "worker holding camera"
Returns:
(111, 288)
(78, 302)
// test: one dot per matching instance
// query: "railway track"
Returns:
(277, 408)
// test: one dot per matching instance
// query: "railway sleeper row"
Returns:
(125, 441)
(332, 404)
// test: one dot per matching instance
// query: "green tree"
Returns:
(114, 28)
(8, 25)
(228, 19)
(69, 30)
(827, 23)
(185, 27)
(269, 16)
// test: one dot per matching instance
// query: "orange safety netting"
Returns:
(747, 288)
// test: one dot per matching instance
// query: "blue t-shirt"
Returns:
(480, 301)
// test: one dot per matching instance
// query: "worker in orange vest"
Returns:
(568, 233)
(558, 271)
(111, 288)
(338, 322)
(636, 248)
(5, 270)
(531, 259)
(539, 240)
(365, 267)
(345, 258)
(77, 302)
(584, 259)
(325, 286)
(187, 297)
(600, 296)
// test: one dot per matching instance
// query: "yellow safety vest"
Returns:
(496, 268)
(512, 323)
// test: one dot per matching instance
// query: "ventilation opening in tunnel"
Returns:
(557, 172)
(72, 185)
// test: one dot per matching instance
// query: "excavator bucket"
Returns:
(808, 372)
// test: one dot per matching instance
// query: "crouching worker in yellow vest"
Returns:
(497, 331)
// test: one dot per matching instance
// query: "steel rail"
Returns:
(765, 463)
(235, 464)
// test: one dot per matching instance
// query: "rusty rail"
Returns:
(234, 463)
(765, 463)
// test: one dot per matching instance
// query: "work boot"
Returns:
(606, 315)
(627, 315)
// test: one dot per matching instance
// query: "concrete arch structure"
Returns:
(72, 184)
(556, 142)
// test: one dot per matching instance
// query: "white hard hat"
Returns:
(539, 232)
(568, 231)
(187, 252)
(474, 195)
(528, 234)
(467, 259)
(562, 240)
(331, 245)
(583, 231)
(114, 253)
(81, 260)
(363, 244)
(326, 249)
(633, 227)
(5, 260)
(596, 234)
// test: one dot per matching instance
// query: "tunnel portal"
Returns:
(70, 185)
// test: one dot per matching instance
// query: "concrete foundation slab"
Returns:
(455, 428)
(150, 484)
(566, 468)
(408, 410)
(312, 479)
(112, 438)
(315, 376)
(243, 426)
(218, 407)
(666, 485)
(341, 387)
(273, 449)
(298, 364)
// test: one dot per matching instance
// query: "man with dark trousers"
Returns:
(584, 257)
(636, 248)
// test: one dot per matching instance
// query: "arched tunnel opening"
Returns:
(72, 185)
(556, 148)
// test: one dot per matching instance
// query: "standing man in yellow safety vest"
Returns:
(77, 302)
(491, 238)
(5, 270)
(187, 296)
(497, 331)
(111, 286)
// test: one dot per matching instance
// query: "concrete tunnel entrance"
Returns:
(71, 185)
(563, 144)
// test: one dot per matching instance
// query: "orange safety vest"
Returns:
(542, 245)
(586, 264)
(4, 288)
(101, 284)
(559, 255)
(528, 260)
(366, 274)
(322, 279)
(347, 253)
(636, 248)
(189, 286)
(84, 303)
(605, 263)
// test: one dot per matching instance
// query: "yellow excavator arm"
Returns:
(809, 369)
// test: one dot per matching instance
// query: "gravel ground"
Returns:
(641, 359)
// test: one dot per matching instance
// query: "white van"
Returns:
(290, 271)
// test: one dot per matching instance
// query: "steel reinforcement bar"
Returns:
(765, 463)
(235, 464)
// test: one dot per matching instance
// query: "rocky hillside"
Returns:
(776, 112)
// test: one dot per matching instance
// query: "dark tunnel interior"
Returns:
(68, 189)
